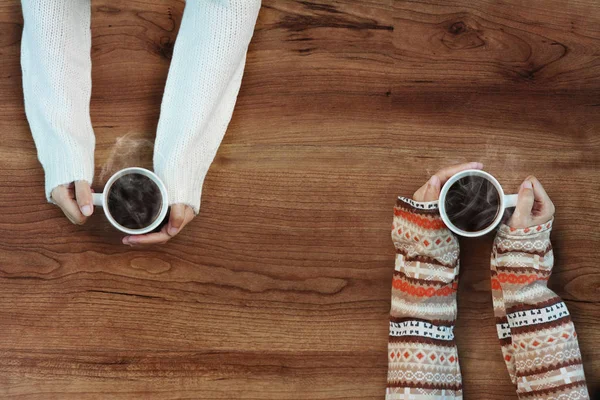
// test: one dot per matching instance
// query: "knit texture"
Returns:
(537, 337)
(56, 63)
(422, 355)
(200, 93)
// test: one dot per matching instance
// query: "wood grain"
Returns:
(280, 288)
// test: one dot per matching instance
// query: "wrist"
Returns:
(513, 232)
(430, 207)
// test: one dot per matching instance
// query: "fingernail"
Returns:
(479, 165)
(527, 185)
(86, 210)
(173, 230)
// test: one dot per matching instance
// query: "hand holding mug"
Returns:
(471, 202)
(180, 216)
(431, 190)
(75, 201)
(135, 201)
(534, 207)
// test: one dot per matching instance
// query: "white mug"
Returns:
(506, 201)
(101, 200)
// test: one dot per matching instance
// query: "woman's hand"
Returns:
(75, 201)
(534, 207)
(181, 215)
(431, 190)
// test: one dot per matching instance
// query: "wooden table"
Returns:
(280, 288)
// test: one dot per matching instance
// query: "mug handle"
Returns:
(510, 200)
(98, 199)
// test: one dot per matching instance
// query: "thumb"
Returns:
(526, 199)
(433, 187)
(83, 194)
(177, 219)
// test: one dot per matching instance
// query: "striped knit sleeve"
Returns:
(538, 339)
(422, 356)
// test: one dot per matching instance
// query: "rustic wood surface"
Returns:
(280, 288)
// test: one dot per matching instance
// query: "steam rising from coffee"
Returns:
(130, 150)
(472, 203)
(134, 200)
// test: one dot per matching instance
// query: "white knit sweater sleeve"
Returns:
(201, 91)
(55, 58)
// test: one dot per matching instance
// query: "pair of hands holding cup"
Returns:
(75, 201)
(534, 207)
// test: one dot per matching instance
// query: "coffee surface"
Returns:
(134, 201)
(472, 203)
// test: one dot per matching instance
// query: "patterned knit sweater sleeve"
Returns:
(201, 91)
(422, 355)
(538, 339)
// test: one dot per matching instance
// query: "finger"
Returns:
(445, 173)
(161, 237)
(420, 193)
(181, 215)
(71, 210)
(83, 194)
(432, 189)
(62, 195)
(176, 219)
(71, 190)
(525, 199)
(59, 193)
(539, 191)
(543, 209)
(63, 192)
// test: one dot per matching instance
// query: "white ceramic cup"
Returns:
(101, 200)
(506, 201)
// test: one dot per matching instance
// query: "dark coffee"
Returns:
(472, 203)
(134, 201)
